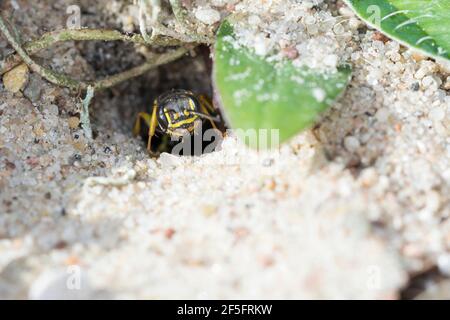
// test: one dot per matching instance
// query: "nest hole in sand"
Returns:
(117, 108)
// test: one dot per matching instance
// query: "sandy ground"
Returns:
(356, 208)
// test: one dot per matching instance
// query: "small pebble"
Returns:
(436, 114)
(207, 15)
(33, 90)
(16, 79)
(447, 84)
(382, 114)
(415, 86)
(290, 52)
(418, 57)
(351, 143)
(444, 264)
(431, 82)
(378, 36)
(209, 210)
(73, 122)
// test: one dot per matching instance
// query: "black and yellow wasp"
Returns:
(176, 113)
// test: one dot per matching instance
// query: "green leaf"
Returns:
(420, 24)
(257, 94)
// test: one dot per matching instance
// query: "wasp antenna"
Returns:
(205, 116)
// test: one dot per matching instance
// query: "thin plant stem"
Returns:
(150, 64)
(51, 38)
(84, 116)
(65, 81)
